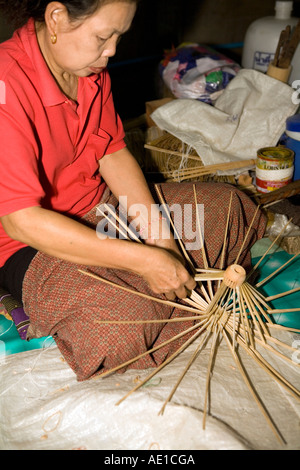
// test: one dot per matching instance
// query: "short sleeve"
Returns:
(110, 121)
(19, 167)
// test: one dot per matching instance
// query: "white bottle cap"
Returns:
(283, 10)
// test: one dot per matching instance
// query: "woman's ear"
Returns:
(56, 16)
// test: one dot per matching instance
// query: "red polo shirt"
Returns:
(49, 145)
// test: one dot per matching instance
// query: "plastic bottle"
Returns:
(262, 37)
(291, 139)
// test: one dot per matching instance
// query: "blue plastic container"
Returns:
(291, 140)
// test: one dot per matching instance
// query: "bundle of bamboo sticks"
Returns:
(176, 161)
(236, 312)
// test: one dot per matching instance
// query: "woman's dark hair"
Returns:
(19, 11)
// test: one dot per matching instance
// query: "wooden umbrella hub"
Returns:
(234, 276)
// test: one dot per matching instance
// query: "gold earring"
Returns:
(54, 39)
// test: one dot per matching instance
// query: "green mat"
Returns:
(286, 279)
(11, 343)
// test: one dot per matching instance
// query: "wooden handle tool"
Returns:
(289, 48)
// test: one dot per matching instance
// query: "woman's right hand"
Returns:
(166, 274)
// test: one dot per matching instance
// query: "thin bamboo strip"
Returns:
(209, 270)
(109, 220)
(266, 366)
(259, 284)
(140, 294)
(283, 294)
(246, 236)
(172, 152)
(195, 304)
(208, 374)
(260, 309)
(209, 276)
(209, 169)
(218, 295)
(256, 299)
(234, 322)
(183, 249)
(267, 251)
(188, 365)
(244, 320)
(260, 297)
(252, 390)
(166, 362)
(282, 327)
(226, 233)
(204, 257)
(197, 299)
(138, 322)
(276, 352)
(166, 210)
(282, 344)
(132, 235)
(255, 318)
(278, 377)
(125, 226)
(152, 350)
(284, 310)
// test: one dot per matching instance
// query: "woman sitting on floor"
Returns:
(63, 154)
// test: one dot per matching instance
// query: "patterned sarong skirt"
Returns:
(62, 302)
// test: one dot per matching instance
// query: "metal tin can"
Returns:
(274, 168)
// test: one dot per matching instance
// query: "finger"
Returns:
(191, 284)
(170, 295)
(182, 293)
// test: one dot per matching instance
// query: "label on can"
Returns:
(274, 168)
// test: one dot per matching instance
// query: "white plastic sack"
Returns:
(42, 406)
(250, 114)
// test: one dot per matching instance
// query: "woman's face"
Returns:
(85, 48)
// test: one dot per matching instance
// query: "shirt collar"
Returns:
(49, 90)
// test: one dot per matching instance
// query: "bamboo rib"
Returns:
(226, 233)
(259, 284)
(167, 212)
(283, 310)
(125, 226)
(246, 236)
(188, 365)
(140, 294)
(258, 305)
(189, 173)
(252, 391)
(209, 276)
(266, 366)
(172, 152)
(183, 249)
(268, 250)
(283, 294)
(150, 351)
(139, 322)
(208, 374)
(109, 220)
(166, 362)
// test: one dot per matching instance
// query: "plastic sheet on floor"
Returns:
(42, 406)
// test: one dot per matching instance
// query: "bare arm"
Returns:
(124, 177)
(65, 238)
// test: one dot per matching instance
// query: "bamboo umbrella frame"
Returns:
(237, 312)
